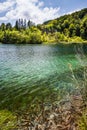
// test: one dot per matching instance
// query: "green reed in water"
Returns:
(81, 86)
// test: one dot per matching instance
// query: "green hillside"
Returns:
(67, 28)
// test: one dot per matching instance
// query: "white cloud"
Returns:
(5, 6)
(28, 9)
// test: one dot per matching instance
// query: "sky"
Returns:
(37, 11)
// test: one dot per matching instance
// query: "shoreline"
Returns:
(49, 43)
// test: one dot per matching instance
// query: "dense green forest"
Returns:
(67, 28)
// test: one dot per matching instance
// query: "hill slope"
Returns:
(67, 28)
(70, 25)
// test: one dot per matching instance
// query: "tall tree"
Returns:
(30, 23)
(24, 24)
(3, 27)
(16, 25)
(8, 26)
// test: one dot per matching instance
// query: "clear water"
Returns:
(27, 70)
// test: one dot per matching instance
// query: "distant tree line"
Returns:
(22, 24)
(19, 24)
(67, 28)
(24, 32)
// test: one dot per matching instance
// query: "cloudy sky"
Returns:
(37, 11)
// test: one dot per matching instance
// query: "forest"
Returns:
(44, 87)
(70, 28)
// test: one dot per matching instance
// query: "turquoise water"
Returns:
(28, 70)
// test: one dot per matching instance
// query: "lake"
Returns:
(28, 72)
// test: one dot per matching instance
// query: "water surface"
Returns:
(27, 70)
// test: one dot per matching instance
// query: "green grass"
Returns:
(8, 120)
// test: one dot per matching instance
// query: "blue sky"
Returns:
(67, 5)
(37, 10)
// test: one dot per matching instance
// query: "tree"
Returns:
(3, 27)
(84, 29)
(77, 29)
(16, 25)
(30, 24)
(71, 30)
(20, 24)
(59, 28)
(8, 26)
(65, 24)
(24, 24)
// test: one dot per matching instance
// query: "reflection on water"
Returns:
(27, 69)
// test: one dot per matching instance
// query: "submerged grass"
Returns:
(52, 109)
(81, 85)
(8, 120)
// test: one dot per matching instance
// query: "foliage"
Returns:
(7, 120)
(81, 86)
(72, 26)
(67, 28)
(12, 37)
